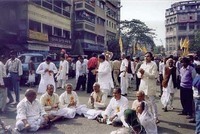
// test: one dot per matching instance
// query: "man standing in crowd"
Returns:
(124, 75)
(92, 65)
(63, 72)
(116, 71)
(14, 68)
(81, 70)
(187, 73)
(148, 74)
(46, 69)
(104, 72)
(3, 90)
(137, 66)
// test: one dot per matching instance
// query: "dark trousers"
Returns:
(81, 82)
(161, 79)
(137, 82)
(91, 81)
(14, 87)
(186, 96)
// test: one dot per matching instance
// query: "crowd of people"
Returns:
(103, 77)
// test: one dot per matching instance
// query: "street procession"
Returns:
(80, 67)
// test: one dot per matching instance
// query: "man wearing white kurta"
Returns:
(104, 75)
(69, 99)
(30, 113)
(124, 75)
(47, 69)
(115, 109)
(148, 74)
(63, 72)
(78, 65)
(3, 89)
(50, 102)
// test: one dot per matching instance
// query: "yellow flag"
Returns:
(120, 44)
(185, 43)
(181, 43)
(144, 49)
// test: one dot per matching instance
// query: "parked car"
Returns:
(25, 58)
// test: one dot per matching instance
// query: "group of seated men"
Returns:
(33, 114)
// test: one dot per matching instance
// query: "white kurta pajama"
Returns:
(46, 77)
(124, 76)
(104, 77)
(99, 104)
(48, 101)
(78, 65)
(62, 74)
(65, 100)
(32, 112)
(3, 90)
(148, 84)
(116, 107)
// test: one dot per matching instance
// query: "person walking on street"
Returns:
(3, 89)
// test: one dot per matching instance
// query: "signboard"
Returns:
(59, 42)
(38, 36)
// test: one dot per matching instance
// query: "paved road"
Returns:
(171, 122)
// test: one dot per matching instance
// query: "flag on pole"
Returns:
(181, 43)
(120, 44)
(185, 46)
(144, 49)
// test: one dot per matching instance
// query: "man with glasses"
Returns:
(148, 74)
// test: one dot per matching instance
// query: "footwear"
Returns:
(171, 107)
(165, 109)
(192, 121)
(182, 113)
(10, 101)
(189, 117)
(157, 121)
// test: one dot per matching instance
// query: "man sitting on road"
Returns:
(140, 97)
(115, 110)
(50, 102)
(30, 114)
(97, 98)
(69, 99)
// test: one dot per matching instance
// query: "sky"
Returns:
(151, 12)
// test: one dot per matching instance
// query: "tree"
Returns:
(195, 45)
(113, 46)
(138, 32)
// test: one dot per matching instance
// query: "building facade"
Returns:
(95, 22)
(36, 25)
(182, 20)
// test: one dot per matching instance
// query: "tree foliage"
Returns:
(194, 46)
(113, 46)
(138, 32)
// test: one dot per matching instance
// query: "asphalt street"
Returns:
(170, 122)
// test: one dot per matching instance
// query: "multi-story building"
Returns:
(182, 20)
(35, 25)
(95, 22)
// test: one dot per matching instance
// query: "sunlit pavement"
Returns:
(170, 122)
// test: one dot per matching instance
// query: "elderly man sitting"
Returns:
(97, 98)
(140, 97)
(30, 114)
(50, 102)
(70, 101)
(115, 109)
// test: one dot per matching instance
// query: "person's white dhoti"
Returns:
(92, 113)
(35, 123)
(124, 82)
(69, 113)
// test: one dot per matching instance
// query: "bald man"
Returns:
(30, 114)
(140, 97)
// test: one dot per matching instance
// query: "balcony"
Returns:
(85, 26)
(81, 5)
(67, 2)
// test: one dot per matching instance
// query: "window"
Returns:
(35, 26)
(182, 27)
(191, 26)
(57, 31)
(47, 29)
(66, 34)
